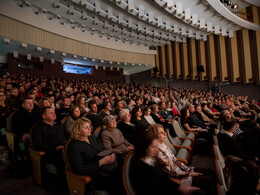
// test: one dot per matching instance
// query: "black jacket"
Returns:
(46, 137)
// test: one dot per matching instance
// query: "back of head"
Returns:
(229, 124)
(245, 177)
(144, 140)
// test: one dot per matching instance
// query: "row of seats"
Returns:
(220, 165)
(181, 146)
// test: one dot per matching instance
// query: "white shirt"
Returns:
(227, 132)
(149, 119)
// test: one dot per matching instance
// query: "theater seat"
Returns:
(177, 143)
(181, 154)
(76, 183)
(181, 134)
(127, 169)
(40, 168)
(12, 141)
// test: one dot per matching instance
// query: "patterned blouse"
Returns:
(170, 163)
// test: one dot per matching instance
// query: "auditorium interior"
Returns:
(192, 66)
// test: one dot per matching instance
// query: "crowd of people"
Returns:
(44, 113)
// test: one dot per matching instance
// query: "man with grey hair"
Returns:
(126, 127)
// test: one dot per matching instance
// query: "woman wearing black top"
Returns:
(83, 150)
(148, 178)
(138, 120)
(187, 126)
(106, 110)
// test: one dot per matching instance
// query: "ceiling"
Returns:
(140, 22)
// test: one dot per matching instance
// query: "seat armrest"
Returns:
(35, 152)
(85, 178)
(187, 132)
(178, 146)
(183, 160)
(183, 138)
(178, 181)
(11, 137)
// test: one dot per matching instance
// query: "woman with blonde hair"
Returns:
(84, 152)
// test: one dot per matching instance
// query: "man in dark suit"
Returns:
(228, 144)
(49, 136)
(196, 121)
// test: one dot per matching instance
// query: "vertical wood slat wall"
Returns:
(26, 33)
(234, 59)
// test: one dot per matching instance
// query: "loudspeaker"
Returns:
(155, 69)
(152, 48)
(200, 69)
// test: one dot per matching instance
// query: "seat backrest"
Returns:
(218, 155)
(9, 122)
(220, 174)
(168, 143)
(127, 169)
(178, 129)
(176, 107)
(221, 190)
(173, 140)
(179, 121)
(64, 119)
(64, 154)
(180, 106)
(98, 131)
(215, 139)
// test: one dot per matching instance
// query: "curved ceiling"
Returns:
(140, 23)
(145, 22)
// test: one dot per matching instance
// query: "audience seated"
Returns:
(202, 178)
(82, 104)
(49, 136)
(138, 119)
(147, 115)
(106, 98)
(126, 127)
(23, 119)
(93, 116)
(243, 178)
(195, 119)
(64, 109)
(106, 110)
(148, 177)
(130, 104)
(118, 106)
(228, 144)
(158, 118)
(175, 112)
(85, 154)
(113, 138)
(70, 120)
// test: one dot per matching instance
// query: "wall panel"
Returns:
(178, 63)
(247, 56)
(223, 63)
(22, 32)
(258, 56)
(194, 59)
(185, 61)
(170, 56)
(203, 59)
(163, 65)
